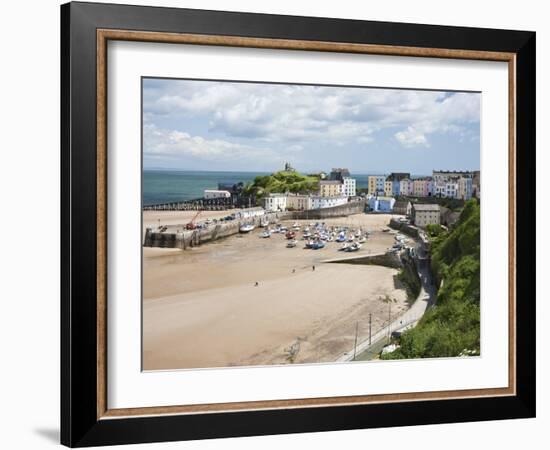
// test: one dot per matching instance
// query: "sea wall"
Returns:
(389, 259)
(409, 276)
(355, 207)
(402, 261)
(405, 228)
(193, 238)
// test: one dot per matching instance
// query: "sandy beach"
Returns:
(202, 307)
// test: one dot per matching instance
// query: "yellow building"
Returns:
(330, 188)
(298, 202)
(388, 188)
(376, 184)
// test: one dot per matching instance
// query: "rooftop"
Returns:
(426, 207)
(401, 203)
(397, 176)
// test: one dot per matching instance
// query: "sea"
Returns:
(164, 186)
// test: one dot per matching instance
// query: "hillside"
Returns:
(283, 181)
(451, 328)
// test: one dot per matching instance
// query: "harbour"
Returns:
(248, 300)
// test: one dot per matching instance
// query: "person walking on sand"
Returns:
(256, 284)
(313, 268)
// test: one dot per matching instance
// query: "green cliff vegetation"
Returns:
(451, 328)
(281, 182)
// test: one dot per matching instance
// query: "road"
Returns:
(409, 318)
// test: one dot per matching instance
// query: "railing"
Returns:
(382, 333)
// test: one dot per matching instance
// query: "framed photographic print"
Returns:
(276, 224)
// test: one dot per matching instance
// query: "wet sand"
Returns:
(202, 307)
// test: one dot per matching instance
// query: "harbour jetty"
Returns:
(182, 238)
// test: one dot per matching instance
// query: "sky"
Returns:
(257, 127)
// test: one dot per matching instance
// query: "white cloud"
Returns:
(411, 137)
(294, 115)
(172, 143)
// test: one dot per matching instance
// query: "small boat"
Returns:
(306, 230)
(291, 244)
(344, 247)
(318, 245)
(350, 239)
(385, 230)
(295, 224)
(290, 234)
(266, 234)
(283, 229)
(362, 240)
(264, 223)
(309, 244)
(246, 228)
(354, 247)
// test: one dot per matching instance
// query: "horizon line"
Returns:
(165, 169)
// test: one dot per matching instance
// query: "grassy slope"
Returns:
(452, 326)
(281, 182)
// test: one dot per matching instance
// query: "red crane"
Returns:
(191, 225)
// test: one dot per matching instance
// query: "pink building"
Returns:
(423, 187)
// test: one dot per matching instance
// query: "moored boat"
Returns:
(354, 247)
(246, 228)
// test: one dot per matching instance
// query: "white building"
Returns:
(214, 193)
(451, 189)
(455, 184)
(349, 187)
(249, 212)
(274, 202)
(318, 202)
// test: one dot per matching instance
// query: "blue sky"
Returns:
(210, 125)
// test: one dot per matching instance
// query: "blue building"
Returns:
(395, 178)
(381, 204)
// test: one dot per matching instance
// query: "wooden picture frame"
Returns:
(85, 417)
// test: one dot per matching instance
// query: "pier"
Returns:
(204, 204)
